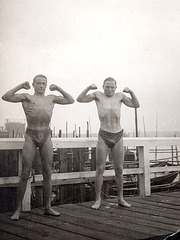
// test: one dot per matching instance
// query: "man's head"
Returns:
(109, 86)
(39, 84)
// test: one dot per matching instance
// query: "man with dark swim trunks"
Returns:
(38, 109)
(110, 134)
(110, 139)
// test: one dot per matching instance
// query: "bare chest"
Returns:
(109, 107)
(38, 107)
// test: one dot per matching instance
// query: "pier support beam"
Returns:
(144, 179)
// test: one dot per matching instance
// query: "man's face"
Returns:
(40, 85)
(109, 88)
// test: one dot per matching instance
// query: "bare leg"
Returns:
(118, 159)
(46, 153)
(101, 154)
(28, 154)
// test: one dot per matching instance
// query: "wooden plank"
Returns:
(156, 211)
(107, 231)
(17, 143)
(40, 230)
(164, 199)
(170, 195)
(141, 213)
(21, 230)
(148, 217)
(68, 178)
(6, 236)
(165, 169)
(72, 225)
(144, 220)
(154, 203)
(112, 218)
(137, 223)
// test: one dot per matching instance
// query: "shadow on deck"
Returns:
(149, 218)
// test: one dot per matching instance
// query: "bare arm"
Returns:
(66, 99)
(83, 97)
(130, 102)
(10, 95)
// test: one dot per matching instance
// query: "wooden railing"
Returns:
(143, 170)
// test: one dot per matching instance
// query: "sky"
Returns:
(76, 43)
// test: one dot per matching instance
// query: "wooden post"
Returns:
(177, 155)
(172, 152)
(60, 134)
(79, 132)
(144, 179)
(136, 127)
(66, 129)
(26, 204)
(20, 163)
(87, 131)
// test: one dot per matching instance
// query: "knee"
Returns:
(100, 169)
(46, 175)
(118, 170)
(25, 176)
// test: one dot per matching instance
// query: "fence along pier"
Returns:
(69, 179)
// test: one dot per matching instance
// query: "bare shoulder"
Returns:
(98, 94)
(120, 95)
(51, 96)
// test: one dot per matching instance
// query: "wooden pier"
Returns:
(150, 217)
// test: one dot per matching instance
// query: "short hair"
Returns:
(109, 79)
(39, 76)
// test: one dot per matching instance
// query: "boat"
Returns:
(157, 183)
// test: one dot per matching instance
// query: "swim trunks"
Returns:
(38, 137)
(110, 139)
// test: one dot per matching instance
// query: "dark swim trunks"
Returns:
(110, 139)
(38, 137)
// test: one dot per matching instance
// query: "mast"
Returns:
(66, 129)
(89, 126)
(136, 124)
(144, 127)
(156, 135)
(136, 129)
(87, 132)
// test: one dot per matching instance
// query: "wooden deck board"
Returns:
(70, 224)
(158, 214)
(107, 221)
(129, 222)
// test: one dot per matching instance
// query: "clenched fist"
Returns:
(93, 87)
(127, 90)
(26, 85)
(53, 87)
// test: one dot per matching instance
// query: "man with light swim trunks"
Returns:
(38, 109)
(110, 133)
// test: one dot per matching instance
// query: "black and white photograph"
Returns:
(90, 119)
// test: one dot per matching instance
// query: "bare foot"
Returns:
(50, 211)
(122, 203)
(16, 215)
(96, 205)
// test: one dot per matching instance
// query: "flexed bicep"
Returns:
(15, 98)
(84, 97)
(61, 100)
(128, 102)
(88, 98)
